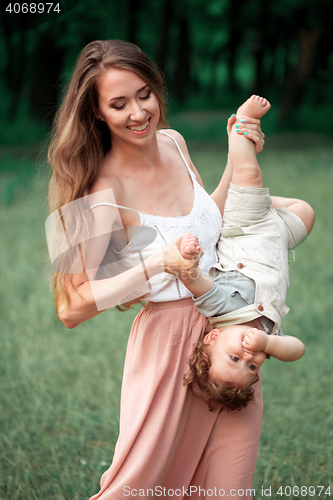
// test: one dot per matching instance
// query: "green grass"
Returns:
(59, 399)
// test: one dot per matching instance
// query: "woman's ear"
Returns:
(95, 111)
(211, 336)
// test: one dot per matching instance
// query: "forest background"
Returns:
(59, 396)
(213, 53)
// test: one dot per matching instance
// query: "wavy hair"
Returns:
(79, 140)
(214, 394)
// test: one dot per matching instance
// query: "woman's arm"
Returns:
(221, 192)
(83, 299)
(90, 297)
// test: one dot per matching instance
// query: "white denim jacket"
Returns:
(255, 240)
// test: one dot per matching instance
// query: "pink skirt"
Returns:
(170, 445)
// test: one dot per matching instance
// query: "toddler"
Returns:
(244, 297)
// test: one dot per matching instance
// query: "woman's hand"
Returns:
(252, 128)
(174, 263)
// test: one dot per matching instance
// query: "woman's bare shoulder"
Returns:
(176, 135)
(181, 143)
(183, 146)
(101, 184)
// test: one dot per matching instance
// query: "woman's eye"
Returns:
(118, 107)
(146, 96)
(234, 358)
(252, 367)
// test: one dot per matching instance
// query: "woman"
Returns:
(106, 141)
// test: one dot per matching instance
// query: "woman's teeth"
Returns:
(142, 127)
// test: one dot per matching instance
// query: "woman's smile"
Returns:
(140, 129)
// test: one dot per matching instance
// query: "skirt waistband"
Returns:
(170, 304)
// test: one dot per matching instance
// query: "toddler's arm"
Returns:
(284, 348)
(197, 282)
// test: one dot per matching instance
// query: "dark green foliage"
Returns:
(214, 54)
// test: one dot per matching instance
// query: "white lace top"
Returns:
(204, 221)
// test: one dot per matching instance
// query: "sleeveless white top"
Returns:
(204, 221)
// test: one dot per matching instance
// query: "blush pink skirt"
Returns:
(170, 445)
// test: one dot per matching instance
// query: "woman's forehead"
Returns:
(119, 81)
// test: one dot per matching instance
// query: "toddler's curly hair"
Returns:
(197, 377)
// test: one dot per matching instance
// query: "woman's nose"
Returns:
(138, 114)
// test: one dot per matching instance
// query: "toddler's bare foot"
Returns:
(254, 107)
(189, 247)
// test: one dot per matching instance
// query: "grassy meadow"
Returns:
(59, 395)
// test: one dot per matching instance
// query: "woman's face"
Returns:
(128, 106)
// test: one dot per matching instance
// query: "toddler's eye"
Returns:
(234, 358)
(252, 367)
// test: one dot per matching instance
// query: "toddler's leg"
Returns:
(189, 247)
(246, 171)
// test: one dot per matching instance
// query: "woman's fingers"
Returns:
(248, 120)
(258, 141)
(254, 133)
(250, 128)
(231, 120)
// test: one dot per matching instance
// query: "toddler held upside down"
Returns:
(244, 295)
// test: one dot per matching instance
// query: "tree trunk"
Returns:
(15, 65)
(166, 19)
(46, 68)
(133, 21)
(308, 40)
(235, 41)
(181, 84)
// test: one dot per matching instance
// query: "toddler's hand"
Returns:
(174, 262)
(255, 340)
(189, 247)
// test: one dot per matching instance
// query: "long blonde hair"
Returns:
(79, 140)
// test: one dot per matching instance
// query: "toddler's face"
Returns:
(230, 362)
